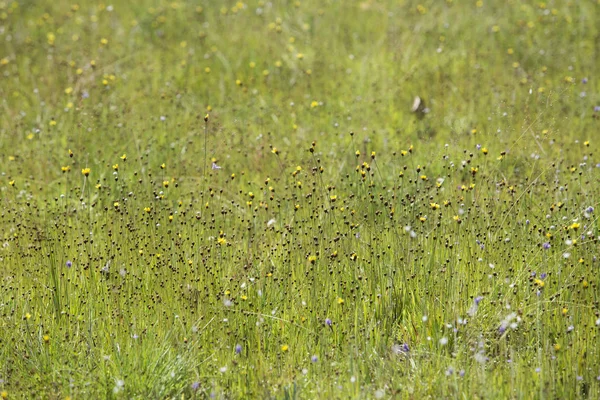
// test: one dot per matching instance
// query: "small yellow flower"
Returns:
(52, 122)
(46, 339)
(4, 394)
(434, 206)
(575, 226)
(314, 104)
(147, 209)
(221, 241)
(69, 90)
(103, 41)
(166, 184)
(124, 157)
(556, 347)
(340, 301)
(27, 316)
(300, 56)
(539, 282)
(564, 311)
(586, 143)
(116, 204)
(484, 150)
(116, 167)
(163, 166)
(312, 259)
(285, 347)
(86, 171)
(274, 150)
(65, 168)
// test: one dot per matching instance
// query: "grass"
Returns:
(238, 202)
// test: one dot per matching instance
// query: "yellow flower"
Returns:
(103, 41)
(221, 241)
(539, 282)
(147, 209)
(166, 184)
(274, 150)
(46, 339)
(556, 347)
(27, 316)
(340, 300)
(65, 168)
(4, 394)
(575, 226)
(116, 204)
(163, 166)
(86, 171)
(124, 157)
(285, 347)
(116, 167)
(69, 90)
(484, 151)
(314, 104)
(52, 122)
(434, 206)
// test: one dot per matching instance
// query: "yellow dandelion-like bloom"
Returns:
(86, 171)
(314, 104)
(66, 168)
(285, 347)
(340, 301)
(556, 347)
(124, 157)
(116, 167)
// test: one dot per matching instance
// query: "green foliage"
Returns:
(246, 200)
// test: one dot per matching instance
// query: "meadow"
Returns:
(244, 200)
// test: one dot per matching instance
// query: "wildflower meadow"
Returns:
(299, 199)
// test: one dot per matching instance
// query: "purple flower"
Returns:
(328, 322)
(195, 385)
(597, 108)
(238, 349)
(314, 359)
(584, 80)
(590, 209)
(478, 146)
(69, 264)
(502, 329)
(215, 166)
(461, 373)
(543, 275)
(85, 94)
(478, 299)
(546, 245)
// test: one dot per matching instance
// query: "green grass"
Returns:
(429, 256)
